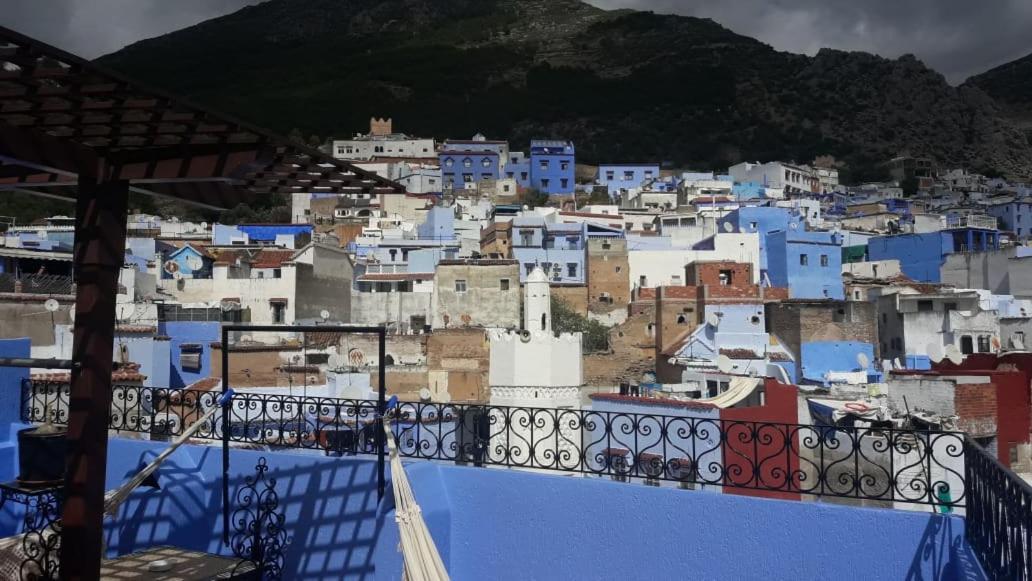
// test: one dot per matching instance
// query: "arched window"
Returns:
(388, 360)
(544, 321)
(682, 320)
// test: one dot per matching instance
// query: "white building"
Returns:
(533, 368)
(653, 267)
(792, 179)
(397, 145)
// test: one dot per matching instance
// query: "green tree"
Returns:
(533, 198)
(566, 320)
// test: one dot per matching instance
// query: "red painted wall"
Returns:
(743, 453)
(1013, 395)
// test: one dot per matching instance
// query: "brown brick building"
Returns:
(609, 283)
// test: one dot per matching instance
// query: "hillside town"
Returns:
(769, 291)
(247, 355)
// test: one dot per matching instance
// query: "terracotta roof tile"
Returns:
(272, 258)
(136, 329)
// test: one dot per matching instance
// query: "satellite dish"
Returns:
(171, 266)
(295, 358)
(194, 262)
(713, 320)
(51, 305)
(324, 314)
(935, 352)
(862, 360)
(728, 227)
(794, 225)
(954, 355)
(724, 364)
(424, 394)
(204, 225)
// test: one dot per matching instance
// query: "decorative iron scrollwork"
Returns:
(259, 535)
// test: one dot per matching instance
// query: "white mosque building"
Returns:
(537, 376)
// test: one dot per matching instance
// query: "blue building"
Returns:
(466, 162)
(921, 255)
(809, 264)
(188, 261)
(763, 220)
(190, 349)
(560, 249)
(552, 166)
(285, 235)
(624, 176)
(1014, 216)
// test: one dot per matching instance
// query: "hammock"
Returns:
(422, 561)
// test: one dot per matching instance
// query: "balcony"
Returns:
(981, 222)
(959, 514)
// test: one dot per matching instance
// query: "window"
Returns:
(824, 260)
(467, 162)
(190, 356)
(983, 344)
(754, 225)
(726, 277)
(544, 165)
(564, 165)
(874, 270)
(884, 318)
(619, 269)
(544, 183)
(682, 320)
(467, 178)
(949, 307)
(523, 176)
(967, 345)
(277, 273)
(711, 388)
(628, 176)
(571, 269)
(610, 175)
(642, 280)
(606, 245)
(278, 312)
(449, 162)
(856, 295)
(564, 183)
(503, 284)
(804, 260)
(925, 306)
(528, 267)
(460, 286)
(486, 162)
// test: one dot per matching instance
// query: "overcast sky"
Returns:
(956, 37)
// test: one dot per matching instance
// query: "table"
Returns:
(186, 565)
(42, 503)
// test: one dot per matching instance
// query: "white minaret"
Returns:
(537, 303)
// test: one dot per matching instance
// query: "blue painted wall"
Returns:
(500, 524)
(820, 357)
(439, 224)
(1014, 216)
(539, 528)
(763, 220)
(820, 277)
(182, 257)
(625, 176)
(198, 332)
(552, 166)
(154, 357)
(461, 167)
(919, 255)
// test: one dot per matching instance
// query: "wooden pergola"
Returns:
(73, 130)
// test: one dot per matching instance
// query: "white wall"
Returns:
(659, 267)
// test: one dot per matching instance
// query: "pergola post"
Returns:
(100, 229)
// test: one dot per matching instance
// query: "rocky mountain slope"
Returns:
(623, 85)
(1010, 85)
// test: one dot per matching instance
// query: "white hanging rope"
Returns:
(422, 561)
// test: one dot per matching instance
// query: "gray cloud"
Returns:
(956, 37)
(90, 28)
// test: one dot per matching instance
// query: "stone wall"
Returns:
(459, 362)
(575, 296)
(490, 296)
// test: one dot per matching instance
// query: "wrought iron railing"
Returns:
(999, 516)
(883, 466)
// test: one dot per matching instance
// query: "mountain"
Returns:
(1010, 85)
(624, 85)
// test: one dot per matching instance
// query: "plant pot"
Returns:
(41, 456)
